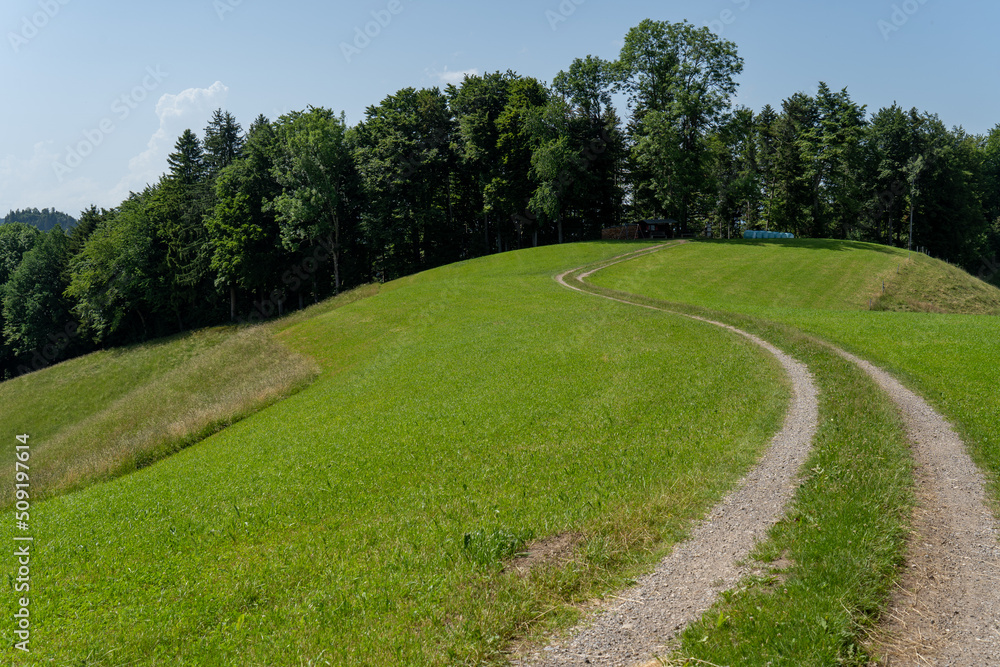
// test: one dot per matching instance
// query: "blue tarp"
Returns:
(750, 234)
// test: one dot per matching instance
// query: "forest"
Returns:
(45, 220)
(248, 223)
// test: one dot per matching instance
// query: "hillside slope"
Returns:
(946, 351)
(757, 275)
(459, 415)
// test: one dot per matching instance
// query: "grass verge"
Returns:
(834, 558)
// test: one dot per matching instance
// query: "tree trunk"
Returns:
(336, 255)
(232, 302)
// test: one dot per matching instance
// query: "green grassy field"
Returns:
(111, 413)
(763, 276)
(815, 604)
(459, 416)
(948, 358)
(464, 416)
(951, 360)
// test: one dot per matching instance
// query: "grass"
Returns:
(950, 360)
(735, 276)
(843, 537)
(947, 357)
(459, 416)
(765, 276)
(932, 286)
(111, 413)
(464, 415)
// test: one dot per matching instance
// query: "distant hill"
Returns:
(44, 220)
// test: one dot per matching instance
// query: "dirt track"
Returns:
(687, 582)
(947, 611)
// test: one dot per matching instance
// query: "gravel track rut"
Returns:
(687, 582)
(947, 609)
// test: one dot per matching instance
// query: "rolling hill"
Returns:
(937, 326)
(458, 415)
(359, 500)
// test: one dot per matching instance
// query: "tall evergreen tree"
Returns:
(796, 203)
(477, 106)
(842, 128)
(223, 143)
(510, 190)
(737, 174)
(403, 151)
(179, 206)
(247, 253)
(891, 142)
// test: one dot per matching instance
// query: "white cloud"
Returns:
(446, 76)
(34, 180)
(189, 109)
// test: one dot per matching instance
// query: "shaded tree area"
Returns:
(247, 224)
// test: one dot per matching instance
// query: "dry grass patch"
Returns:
(171, 410)
(554, 550)
(926, 285)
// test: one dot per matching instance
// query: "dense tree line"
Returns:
(248, 223)
(45, 220)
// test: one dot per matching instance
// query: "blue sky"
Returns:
(97, 91)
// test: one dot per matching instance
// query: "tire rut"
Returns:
(947, 609)
(688, 581)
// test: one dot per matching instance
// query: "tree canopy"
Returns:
(247, 223)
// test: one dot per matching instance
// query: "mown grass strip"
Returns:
(113, 412)
(837, 553)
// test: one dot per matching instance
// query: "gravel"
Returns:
(947, 608)
(639, 622)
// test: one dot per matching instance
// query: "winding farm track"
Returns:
(947, 611)
(687, 582)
